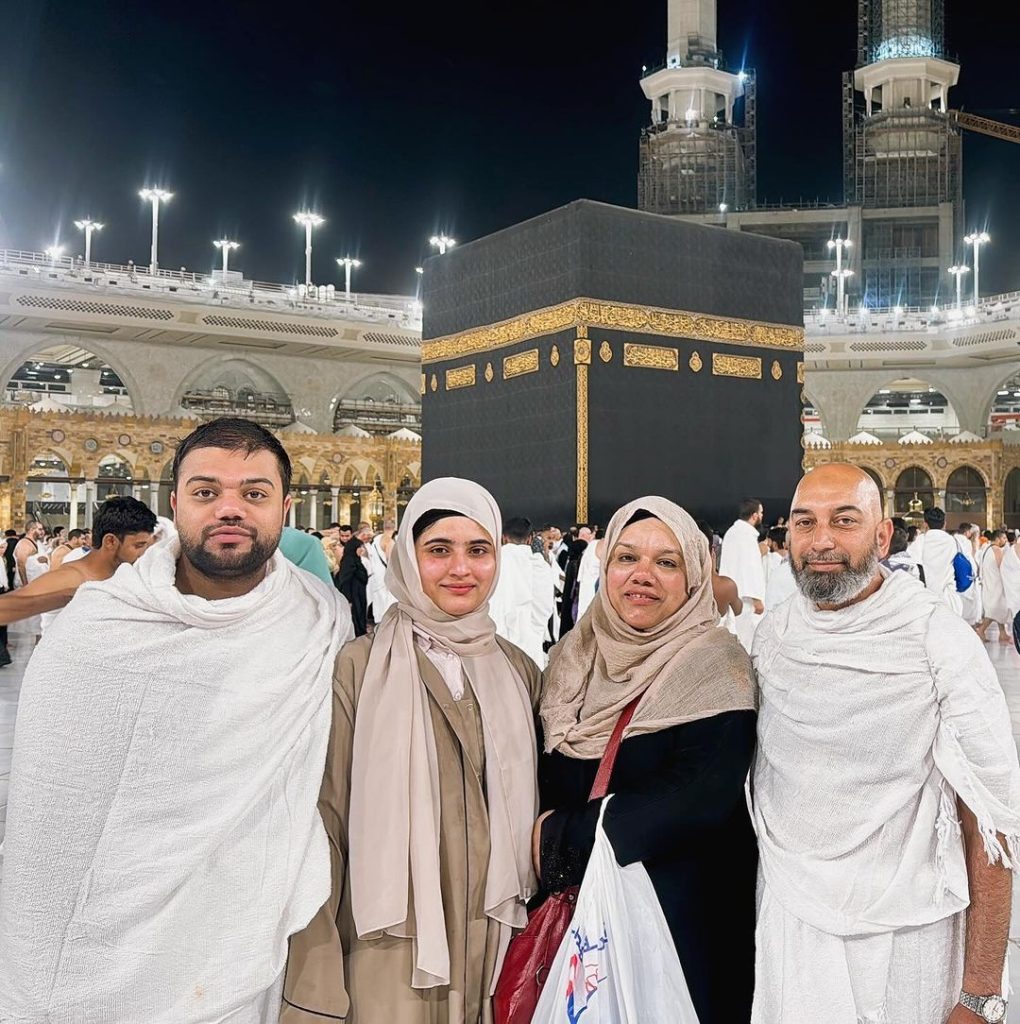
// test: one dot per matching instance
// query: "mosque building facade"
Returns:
(106, 367)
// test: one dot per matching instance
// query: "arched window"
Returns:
(238, 387)
(914, 492)
(355, 512)
(65, 376)
(302, 495)
(1005, 414)
(1011, 499)
(166, 486)
(905, 405)
(114, 478)
(48, 489)
(966, 497)
(404, 494)
(380, 404)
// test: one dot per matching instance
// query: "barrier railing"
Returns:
(318, 300)
(914, 318)
(329, 301)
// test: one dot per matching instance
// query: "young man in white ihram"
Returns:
(164, 838)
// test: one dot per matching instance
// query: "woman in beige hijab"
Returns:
(429, 795)
(678, 806)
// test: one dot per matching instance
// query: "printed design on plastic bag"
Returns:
(585, 972)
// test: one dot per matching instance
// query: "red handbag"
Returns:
(530, 954)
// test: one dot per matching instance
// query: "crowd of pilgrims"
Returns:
(264, 774)
(549, 575)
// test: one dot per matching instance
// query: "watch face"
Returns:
(994, 1009)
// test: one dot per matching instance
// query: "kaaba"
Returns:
(594, 354)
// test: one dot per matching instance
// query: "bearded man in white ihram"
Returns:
(164, 838)
(886, 788)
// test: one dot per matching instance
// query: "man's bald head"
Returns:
(839, 483)
(838, 535)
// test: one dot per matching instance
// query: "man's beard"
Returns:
(228, 564)
(835, 587)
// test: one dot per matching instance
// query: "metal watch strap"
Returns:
(976, 1004)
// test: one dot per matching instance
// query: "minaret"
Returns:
(900, 57)
(690, 31)
(902, 150)
(697, 156)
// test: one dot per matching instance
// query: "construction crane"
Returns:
(986, 126)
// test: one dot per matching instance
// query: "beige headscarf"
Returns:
(395, 806)
(687, 667)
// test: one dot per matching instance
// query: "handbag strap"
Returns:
(600, 787)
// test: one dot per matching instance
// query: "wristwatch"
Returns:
(989, 1008)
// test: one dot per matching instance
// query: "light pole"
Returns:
(977, 239)
(839, 244)
(54, 252)
(958, 270)
(442, 243)
(348, 264)
(842, 276)
(309, 220)
(155, 196)
(88, 226)
(226, 246)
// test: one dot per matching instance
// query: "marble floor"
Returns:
(20, 645)
(1005, 659)
(1007, 664)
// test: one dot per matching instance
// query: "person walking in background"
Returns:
(741, 561)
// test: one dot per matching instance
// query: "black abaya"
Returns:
(678, 806)
(573, 564)
(352, 582)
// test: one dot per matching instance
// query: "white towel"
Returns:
(873, 719)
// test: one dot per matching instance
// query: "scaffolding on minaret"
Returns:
(902, 149)
(887, 29)
(698, 155)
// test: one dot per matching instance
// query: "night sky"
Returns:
(397, 121)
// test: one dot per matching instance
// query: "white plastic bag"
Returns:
(617, 963)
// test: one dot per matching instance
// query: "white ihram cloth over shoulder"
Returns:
(873, 719)
(377, 595)
(970, 599)
(163, 835)
(993, 572)
(588, 576)
(937, 554)
(741, 560)
(523, 599)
